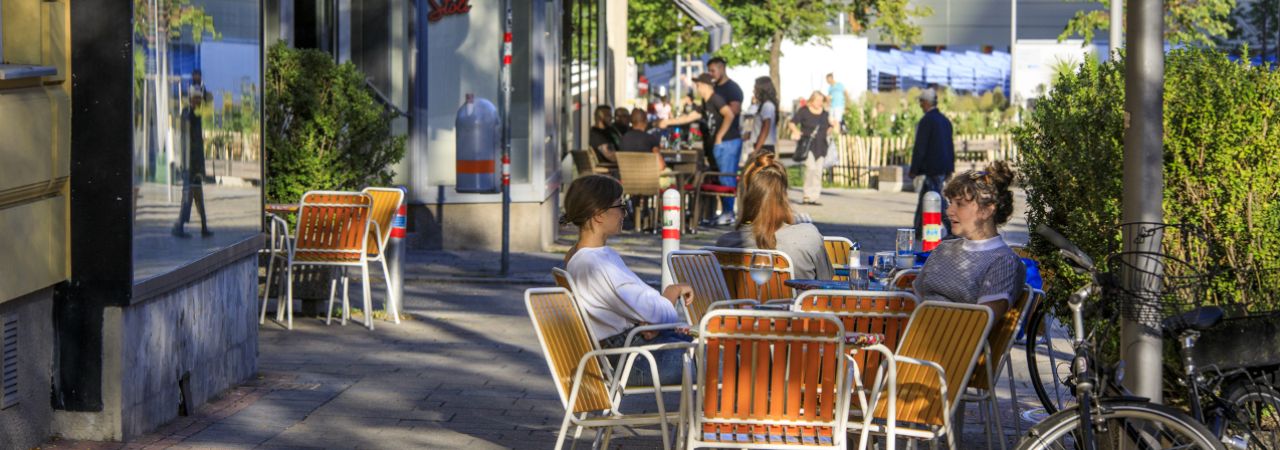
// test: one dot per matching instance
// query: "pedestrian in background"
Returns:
(765, 135)
(837, 94)
(934, 155)
(809, 127)
(193, 176)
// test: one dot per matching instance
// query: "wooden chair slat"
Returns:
(565, 341)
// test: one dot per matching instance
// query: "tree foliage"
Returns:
(1258, 27)
(1220, 167)
(1192, 22)
(324, 128)
(655, 27)
(892, 19)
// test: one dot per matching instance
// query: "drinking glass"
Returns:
(882, 267)
(859, 278)
(761, 269)
(906, 241)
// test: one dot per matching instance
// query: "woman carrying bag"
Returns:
(809, 126)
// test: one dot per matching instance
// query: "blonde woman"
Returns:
(809, 127)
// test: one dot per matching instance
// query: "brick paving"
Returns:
(465, 370)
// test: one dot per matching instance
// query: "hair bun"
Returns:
(1001, 174)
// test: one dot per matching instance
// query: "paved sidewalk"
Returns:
(465, 370)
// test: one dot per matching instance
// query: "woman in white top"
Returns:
(614, 298)
(978, 268)
(766, 130)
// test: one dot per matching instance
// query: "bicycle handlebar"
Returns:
(1069, 250)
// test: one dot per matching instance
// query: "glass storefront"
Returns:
(197, 142)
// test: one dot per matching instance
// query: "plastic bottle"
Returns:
(932, 221)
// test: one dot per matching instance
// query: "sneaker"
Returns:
(177, 232)
(725, 219)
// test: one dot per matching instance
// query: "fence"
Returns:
(859, 157)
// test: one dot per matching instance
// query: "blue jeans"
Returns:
(727, 153)
(670, 362)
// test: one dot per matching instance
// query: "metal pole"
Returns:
(506, 141)
(1117, 28)
(1140, 344)
(1013, 51)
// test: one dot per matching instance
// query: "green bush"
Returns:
(325, 130)
(1221, 165)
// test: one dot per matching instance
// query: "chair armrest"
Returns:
(658, 327)
(619, 378)
(698, 179)
(731, 303)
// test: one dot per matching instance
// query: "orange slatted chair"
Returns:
(386, 202)
(701, 271)
(904, 280)
(932, 365)
(333, 229)
(583, 383)
(883, 313)
(839, 252)
(770, 380)
(1001, 340)
(735, 264)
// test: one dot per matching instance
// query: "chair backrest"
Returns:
(332, 227)
(1001, 338)
(564, 340)
(904, 280)
(1022, 251)
(735, 263)
(701, 271)
(386, 201)
(639, 172)
(759, 373)
(565, 281)
(562, 279)
(876, 312)
(584, 161)
(949, 334)
(839, 250)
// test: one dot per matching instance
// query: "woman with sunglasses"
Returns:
(977, 268)
(614, 298)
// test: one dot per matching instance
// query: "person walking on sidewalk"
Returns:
(725, 138)
(193, 176)
(836, 92)
(809, 127)
(765, 135)
(934, 155)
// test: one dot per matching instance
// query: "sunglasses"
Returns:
(625, 205)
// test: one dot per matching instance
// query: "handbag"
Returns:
(802, 149)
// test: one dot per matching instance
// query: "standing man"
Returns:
(725, 138)
(934, 156)
(836, 93)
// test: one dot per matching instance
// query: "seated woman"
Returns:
(767, 222)
(977, 268)
(614, 298)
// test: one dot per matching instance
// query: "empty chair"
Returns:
(839, 252)
(701, 271)
(986, 376)
(333, 230)
(735, 263)
(386, 203)
(883, 313)
(641, 180)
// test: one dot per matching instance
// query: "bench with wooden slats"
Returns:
(770, 379)
(735, 264)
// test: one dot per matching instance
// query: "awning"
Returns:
(718, 29)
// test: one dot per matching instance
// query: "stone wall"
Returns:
(26, 424)
(207, 331)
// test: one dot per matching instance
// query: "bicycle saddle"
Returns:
(1198, 319)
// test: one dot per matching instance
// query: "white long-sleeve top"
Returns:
(615, 299)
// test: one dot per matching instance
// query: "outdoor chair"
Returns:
(770, 380)
(881, 313)
(333, 230)
(277, 249)
(839, 252)
(641, 174)
(702, 190)
(586, 388)
(587, 163)
(386, 203)
(982, 388)
(904, 280)
(735, 263)
(701, 271)
(930, 369)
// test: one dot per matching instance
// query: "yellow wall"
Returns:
(35, 123)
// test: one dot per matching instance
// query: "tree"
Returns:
(1258, 24)
(657, 31)
(1185, 21)
(891, 18)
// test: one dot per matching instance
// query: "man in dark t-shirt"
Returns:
(601, 138)
(718, 116)
(728, 90)
(638, 138)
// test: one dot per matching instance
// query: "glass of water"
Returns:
(859, 278)
(906, 241)
(761, 268)
(882, 267)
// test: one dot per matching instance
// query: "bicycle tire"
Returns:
(1126, 423)
(1258, 414)
(1046, 371)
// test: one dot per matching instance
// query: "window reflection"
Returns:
(197, 130)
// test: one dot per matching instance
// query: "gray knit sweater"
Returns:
(801, 242)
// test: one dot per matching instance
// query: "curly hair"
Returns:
(987, 187)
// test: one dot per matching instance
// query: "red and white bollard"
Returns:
(670, 231)
(395, 262)
(931, 222)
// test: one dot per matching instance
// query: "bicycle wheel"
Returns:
(1257, 411)
(1048, 352)
(1123, 425)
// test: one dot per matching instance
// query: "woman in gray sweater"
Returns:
(767, 222)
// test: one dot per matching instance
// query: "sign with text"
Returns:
(442, 8)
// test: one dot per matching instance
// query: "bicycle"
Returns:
(1229, 388)
(1104, 414)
